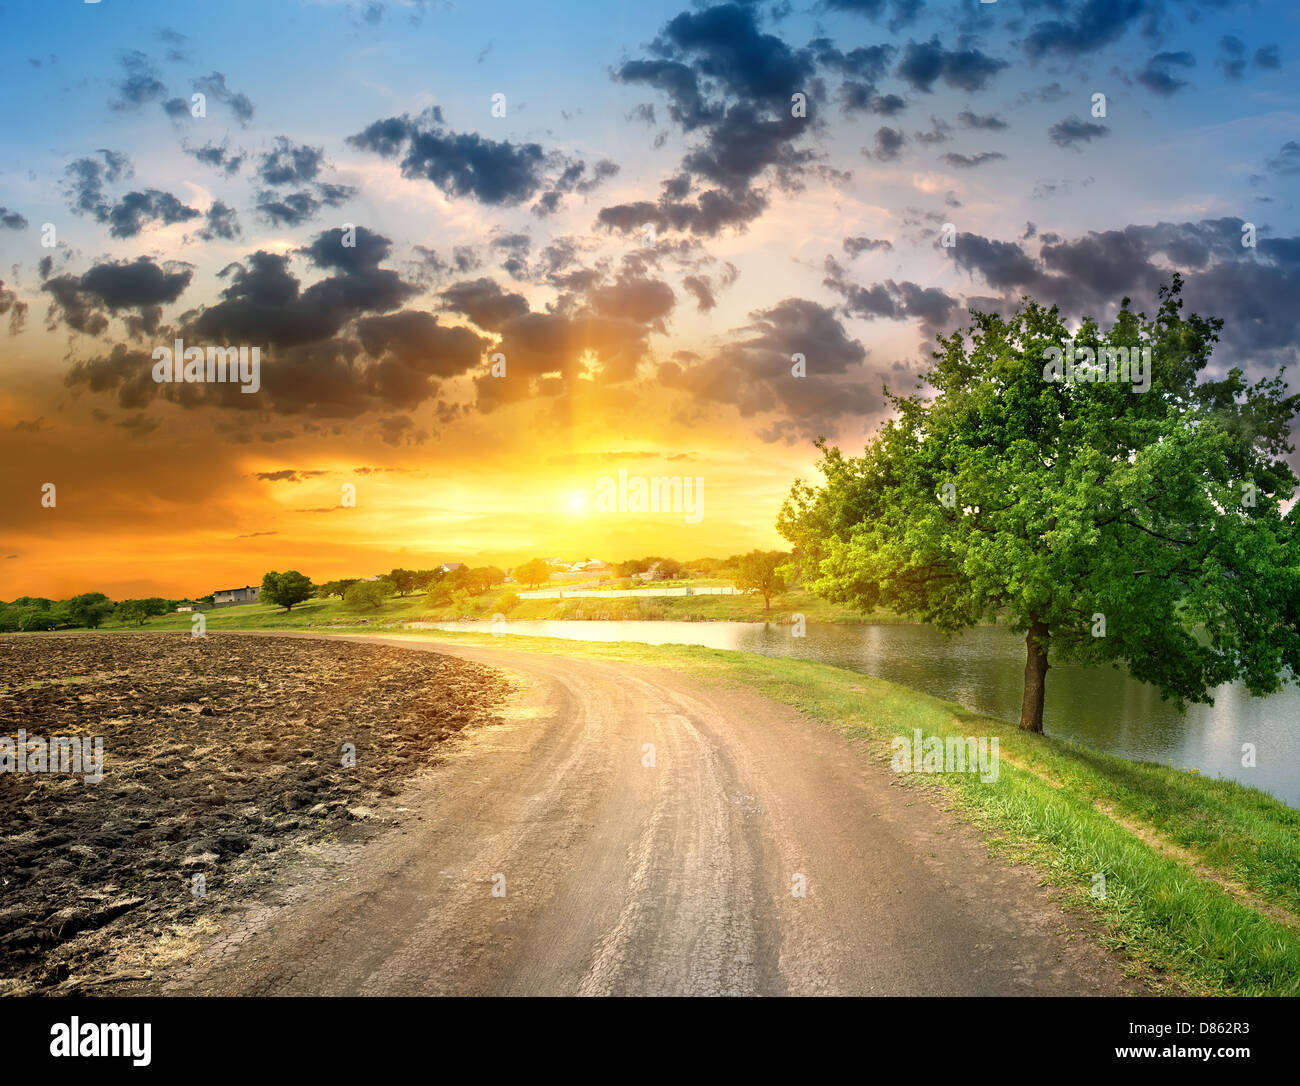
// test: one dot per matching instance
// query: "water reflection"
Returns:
(983, 669)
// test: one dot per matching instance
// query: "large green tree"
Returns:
(90, 609)
(285, 589)
(1108, 524)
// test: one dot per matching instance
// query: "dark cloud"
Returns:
(136, 210)
(1252, 289)
(138, 283)
(413, 351)
(940, 132)
(214, 86)
(699, 287)
(1158, 77)
(264, 303)
(708, 215)
(495, 172)
(967, 162)
(401, 429)
(290, 164)
(219, 157)
(753, 372)
(1266, 56)
(1233, 60)
(485, 303)
(902, 12)
(866, 63)
(990, 122)
(1287, 159)
(704, 288)
(854, 246)
(726, 47)
(890, 300)
(599, 332)
(337, 348)
(295, 208)
(222, 223)
(1072, 131)
(140, 288)
(861, 98)
(965, 69)
(16, 310)
(1001, 264)
(1084, 27)
(12, 220)
(732, 84)
(889, 144)
(88, 176)
(133, 212)
(573, 178)
(645, 302)
(516, 248)
(140, 83)
(178, 42)
(123, 370)
(286, 475)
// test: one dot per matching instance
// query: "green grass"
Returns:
(1176, 925)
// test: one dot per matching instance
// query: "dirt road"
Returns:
(622, 878)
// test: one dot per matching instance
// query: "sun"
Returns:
(577, 502)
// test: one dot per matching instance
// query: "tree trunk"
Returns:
(1031, 706)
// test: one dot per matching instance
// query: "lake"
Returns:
(983, 669)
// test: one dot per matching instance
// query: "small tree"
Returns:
(132, 612)
(671, 569)
(285, 589)
(368, 594)
(403, 580)
(758, 571)
(533, 573)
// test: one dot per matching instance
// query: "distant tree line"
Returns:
(758, 571)
(88, 611)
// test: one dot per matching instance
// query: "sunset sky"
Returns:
(523, 235)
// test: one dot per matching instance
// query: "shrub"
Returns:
(367, 594)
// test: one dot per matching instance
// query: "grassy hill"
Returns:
(418, 608)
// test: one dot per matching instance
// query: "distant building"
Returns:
(654, 573)
(451, 567)
(182, 610)
(228, 597)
